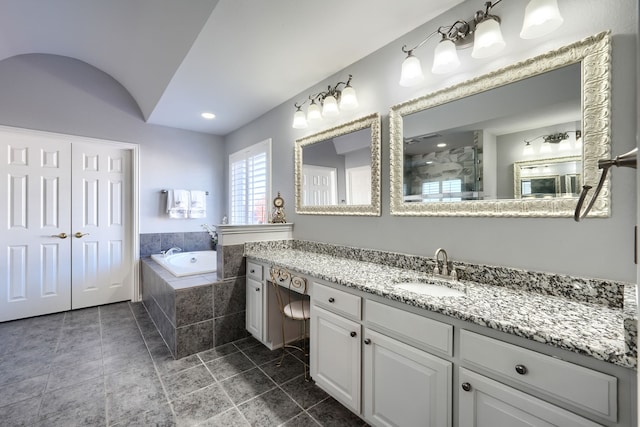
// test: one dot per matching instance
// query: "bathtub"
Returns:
(188, 263)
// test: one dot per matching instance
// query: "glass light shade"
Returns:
(445, 57)
(527, 150)
(348, 99)
(541, 17)
(488, 39)
(330, 107)
(299, 120)
(545, 148)
(564, 145)
(411, 73)
(313, 113)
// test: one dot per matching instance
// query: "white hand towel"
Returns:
(178, 203)
(198, 204)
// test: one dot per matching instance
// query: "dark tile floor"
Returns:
(108, 366)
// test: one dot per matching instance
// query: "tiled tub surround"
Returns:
(193, 313)
(592, 317)
(154, 243)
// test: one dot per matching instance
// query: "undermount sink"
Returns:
(430, 289)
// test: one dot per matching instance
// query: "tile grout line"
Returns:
(104, 377)
(155, 367)
(50, 368)
(218, 382)
(277, 385)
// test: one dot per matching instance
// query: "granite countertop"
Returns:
(586, 328)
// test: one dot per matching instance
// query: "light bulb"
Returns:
(330, 107)
(527, 150)
(445, 57)
(313, 113)
(541, 17)
(299, 119)
(411, 73)
(488, 39)
(348, 99)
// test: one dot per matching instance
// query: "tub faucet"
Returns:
(445, 266)
(171, 251)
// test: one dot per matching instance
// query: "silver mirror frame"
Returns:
(595, 55)
(371, 121)
(517, 170)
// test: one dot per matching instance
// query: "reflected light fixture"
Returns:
(333, 100)
(482, 32)
(208, 116)
(560, 138)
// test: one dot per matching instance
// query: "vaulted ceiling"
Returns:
(235, 58)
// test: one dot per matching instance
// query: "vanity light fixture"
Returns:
(333, 100)
(560, 138)
(483, 33)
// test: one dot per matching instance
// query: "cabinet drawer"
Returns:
(337, 301)
(589, 390)
(411, 328)
(254, 271)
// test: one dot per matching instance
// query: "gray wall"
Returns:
(600, 248)
(64, 95)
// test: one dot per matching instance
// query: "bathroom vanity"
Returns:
(559, 351)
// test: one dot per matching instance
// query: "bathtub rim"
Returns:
(161, 261)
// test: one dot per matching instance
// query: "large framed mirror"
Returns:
(337, 171)
(456, 152)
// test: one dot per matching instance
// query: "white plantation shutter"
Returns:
(249, 184)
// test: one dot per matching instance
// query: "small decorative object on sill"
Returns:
(211, 229)
(277, 216)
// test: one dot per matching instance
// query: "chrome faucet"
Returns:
(445, 266)
(171, 251)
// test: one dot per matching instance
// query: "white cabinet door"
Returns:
(101, 224)
(254, 307)
(35, 271)
(335, 356)
(487, 403)
(404, 386)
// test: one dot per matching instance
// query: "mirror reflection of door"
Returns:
(319, 185)
(358, 185)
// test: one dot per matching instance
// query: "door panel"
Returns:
(100, 194)
(35, 268)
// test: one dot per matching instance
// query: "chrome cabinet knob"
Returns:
(367, 341)
(252, 271)
(257, 289)
(521, 369)
(353, 334)
(466, 386)
(332, 300)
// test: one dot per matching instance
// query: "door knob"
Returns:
(79, 235)
(60, 236)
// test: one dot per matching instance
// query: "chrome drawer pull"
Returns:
(466, 386)
(367, 341)
(521, 369)
(353, 333)
(332, 300)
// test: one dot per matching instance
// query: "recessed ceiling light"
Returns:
(208, 116)
(441, 144)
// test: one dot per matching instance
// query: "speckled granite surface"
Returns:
(596, 318)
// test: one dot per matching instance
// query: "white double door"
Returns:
(66, 224)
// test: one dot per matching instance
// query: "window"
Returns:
(442, 190)
(250, 184)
